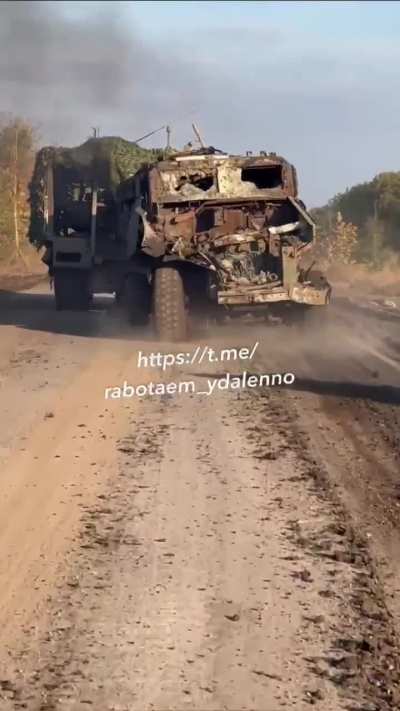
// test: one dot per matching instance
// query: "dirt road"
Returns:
(238, 551)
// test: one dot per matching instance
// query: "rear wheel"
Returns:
(72, 289)
(170, 315)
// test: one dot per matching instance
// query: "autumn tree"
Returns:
(342, 242)
(17, 150)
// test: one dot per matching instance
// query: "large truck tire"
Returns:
(137, 299)
(169, 308)
(72, 289)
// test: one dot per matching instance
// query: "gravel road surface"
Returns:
(232, 552)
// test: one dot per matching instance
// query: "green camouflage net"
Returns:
(103, 161)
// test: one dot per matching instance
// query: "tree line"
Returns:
(363, 222)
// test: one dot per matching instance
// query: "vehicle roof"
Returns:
(177, 161)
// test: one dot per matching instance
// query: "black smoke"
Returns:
(71, 71)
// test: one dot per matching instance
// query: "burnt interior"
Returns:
(264, 177)
(203, 182)
(234, 237)
(258, 215)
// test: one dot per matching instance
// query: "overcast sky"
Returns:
(317, 82)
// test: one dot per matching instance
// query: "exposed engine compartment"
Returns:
(241, 240)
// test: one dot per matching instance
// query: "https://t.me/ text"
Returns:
(209, 386)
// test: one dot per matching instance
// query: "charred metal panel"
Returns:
(289, 266)
(209, 176)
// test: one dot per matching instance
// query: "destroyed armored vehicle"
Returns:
(196, 231)
(224, 230)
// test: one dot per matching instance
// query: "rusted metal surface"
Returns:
(204, 177)
(309, 294)
(238, 216)
(300, 294)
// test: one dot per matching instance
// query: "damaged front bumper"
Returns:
(298, 293)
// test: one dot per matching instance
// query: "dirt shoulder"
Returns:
(192, 584)
(20, 282)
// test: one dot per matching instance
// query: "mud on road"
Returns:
(239, 551)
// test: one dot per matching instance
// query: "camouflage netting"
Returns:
(105, 161)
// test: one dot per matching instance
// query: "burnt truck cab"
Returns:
(238, 218)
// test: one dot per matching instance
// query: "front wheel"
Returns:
(169, 309)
